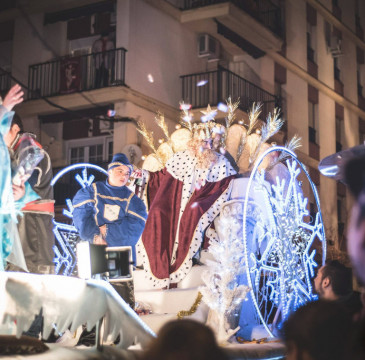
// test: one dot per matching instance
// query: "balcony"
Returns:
(214, 87)
(263, 11)
(242, 27)
(67, 75)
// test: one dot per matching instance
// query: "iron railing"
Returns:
(265, 11)
(5, 83)
(67, 74)
(214, 87)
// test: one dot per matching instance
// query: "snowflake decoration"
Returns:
(282, 264)
(66, 235)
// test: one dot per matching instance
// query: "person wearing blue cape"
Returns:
(107, 212)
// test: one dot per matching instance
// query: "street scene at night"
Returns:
(182, 179)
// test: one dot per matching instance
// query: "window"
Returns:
(312, 122)
(359, 86)
(337, 72)
(339, 134)
(311, 45)
(90, 150)
(77, 155)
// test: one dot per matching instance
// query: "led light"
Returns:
(184, 106)
(202, 83)
(111, 113)
(222, 107)
(187, 118)
(150, 78)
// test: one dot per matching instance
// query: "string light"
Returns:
(282, 272)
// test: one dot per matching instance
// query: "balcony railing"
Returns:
(214, 87)
(265, 11)
(67, 74)
(5, 83)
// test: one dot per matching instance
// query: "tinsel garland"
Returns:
(181, 314)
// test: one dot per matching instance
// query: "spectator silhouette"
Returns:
(103, 59)
(185, 340)
(334, 282)
(320, 330)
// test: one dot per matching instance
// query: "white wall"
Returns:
(160, 46)
(29, 49)
(296, 38)
(51, 140)
(126, 133)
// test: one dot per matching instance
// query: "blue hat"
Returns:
(120, 159)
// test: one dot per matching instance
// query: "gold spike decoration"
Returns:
(241, 146)
(160, 120)
(253, 117)
(292, 145)
(148, 135)
(185, 117)
(272, 126)
(231, 111)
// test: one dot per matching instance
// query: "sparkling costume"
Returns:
(11, 249)
(36, 225)
(123, 213)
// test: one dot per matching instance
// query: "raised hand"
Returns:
(13, 97)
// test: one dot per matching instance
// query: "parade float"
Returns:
(263, 243)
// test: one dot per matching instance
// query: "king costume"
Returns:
(183, 199)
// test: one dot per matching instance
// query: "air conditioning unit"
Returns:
(335, 47)
(208, 47)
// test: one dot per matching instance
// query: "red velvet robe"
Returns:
(179, 214)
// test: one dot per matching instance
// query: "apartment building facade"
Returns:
(306, 56)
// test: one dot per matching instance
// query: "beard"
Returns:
(205, 158)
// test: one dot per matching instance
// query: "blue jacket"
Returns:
(119, 208)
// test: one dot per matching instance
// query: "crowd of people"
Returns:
(108, 213)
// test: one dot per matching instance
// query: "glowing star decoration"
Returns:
(208, 114)
(67, 235)
(279, 243)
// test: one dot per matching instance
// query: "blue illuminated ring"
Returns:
(77, 166)
(245, 208)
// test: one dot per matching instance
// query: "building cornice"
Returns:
(99, 97)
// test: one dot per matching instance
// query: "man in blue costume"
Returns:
(108, 213)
